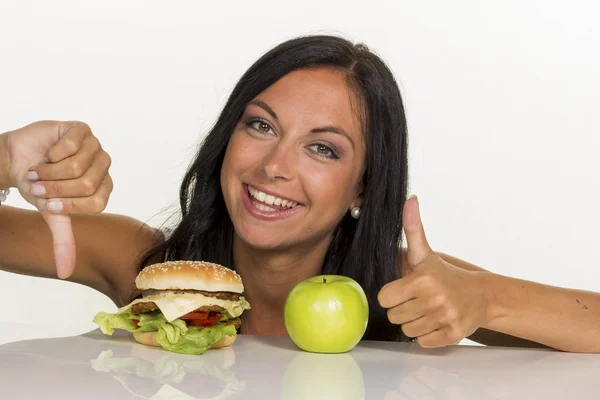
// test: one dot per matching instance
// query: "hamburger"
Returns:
(186, 307)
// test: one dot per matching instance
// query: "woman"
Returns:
(304, 173)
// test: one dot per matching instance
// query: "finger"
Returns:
(396, 292)
(418, 248)
(438, 338)
(421, 326)
(72, 134)
(63, 242)
(79, 205)
(85, 186)
(74, 166)
(407, 312)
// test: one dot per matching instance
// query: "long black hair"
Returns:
(366, 249)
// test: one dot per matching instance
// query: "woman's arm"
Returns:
(483, 336)
(61, 169)
(109, 249)
(531, 314)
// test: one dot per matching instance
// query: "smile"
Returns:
(268, 207)
(268, 199)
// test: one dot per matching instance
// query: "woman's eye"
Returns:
(323, 150)
(260, 126)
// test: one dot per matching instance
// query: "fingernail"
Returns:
(38, 189)
(32, 175)
(54, 205)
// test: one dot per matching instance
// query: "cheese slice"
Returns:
(174, 305)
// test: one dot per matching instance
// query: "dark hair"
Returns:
(366, 249)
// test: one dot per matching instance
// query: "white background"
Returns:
(501, 100)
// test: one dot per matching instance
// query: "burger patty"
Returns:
(235, 322)
(139, 308)
(218, 295)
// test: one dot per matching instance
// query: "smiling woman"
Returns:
(314, 129)
(305, 173)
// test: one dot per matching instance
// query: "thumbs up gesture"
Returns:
(437, 303)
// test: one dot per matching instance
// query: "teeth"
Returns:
(262, 207)
(270, 199)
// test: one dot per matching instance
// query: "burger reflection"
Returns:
(154, 374)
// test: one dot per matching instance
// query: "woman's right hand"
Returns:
(61, 169)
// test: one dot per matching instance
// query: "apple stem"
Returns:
(324, 280)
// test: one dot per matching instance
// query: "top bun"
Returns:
(189, 275)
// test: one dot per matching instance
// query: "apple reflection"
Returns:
(154, 374)
(323, 376)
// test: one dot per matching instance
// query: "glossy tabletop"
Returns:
(95, 366)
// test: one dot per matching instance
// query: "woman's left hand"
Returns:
(437, 303)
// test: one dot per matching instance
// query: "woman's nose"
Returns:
(278, 163)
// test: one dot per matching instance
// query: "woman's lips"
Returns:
(266, 211)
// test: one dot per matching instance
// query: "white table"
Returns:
(95, 366)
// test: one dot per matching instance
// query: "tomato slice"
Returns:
(135, 323)
(196, 315)
(210, 320)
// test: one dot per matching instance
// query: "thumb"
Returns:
(418, 248)
(64, 243)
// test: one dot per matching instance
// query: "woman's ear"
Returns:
(356, 203)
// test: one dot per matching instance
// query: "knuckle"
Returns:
(76, 168)
(437, 301)
(424, 280)
(80, 125)
(108, 159)
(448, 318)
(110, 185)
(451, 315)
(70, 145)
(98, 205)
(88, 186)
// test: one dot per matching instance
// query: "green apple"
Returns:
(326, 314)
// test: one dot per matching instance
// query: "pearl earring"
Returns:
(355, 212)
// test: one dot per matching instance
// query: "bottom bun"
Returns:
(149, 339)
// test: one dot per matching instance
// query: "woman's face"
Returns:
(293, 163)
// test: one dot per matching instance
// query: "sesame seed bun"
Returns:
(189, 275)
(149, 339)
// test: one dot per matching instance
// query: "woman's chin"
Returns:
(260, 239)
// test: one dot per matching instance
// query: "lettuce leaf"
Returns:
(195, 340)
(109, 322)
(173, 336)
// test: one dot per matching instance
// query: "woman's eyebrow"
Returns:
(264, 106)
(333, 129)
